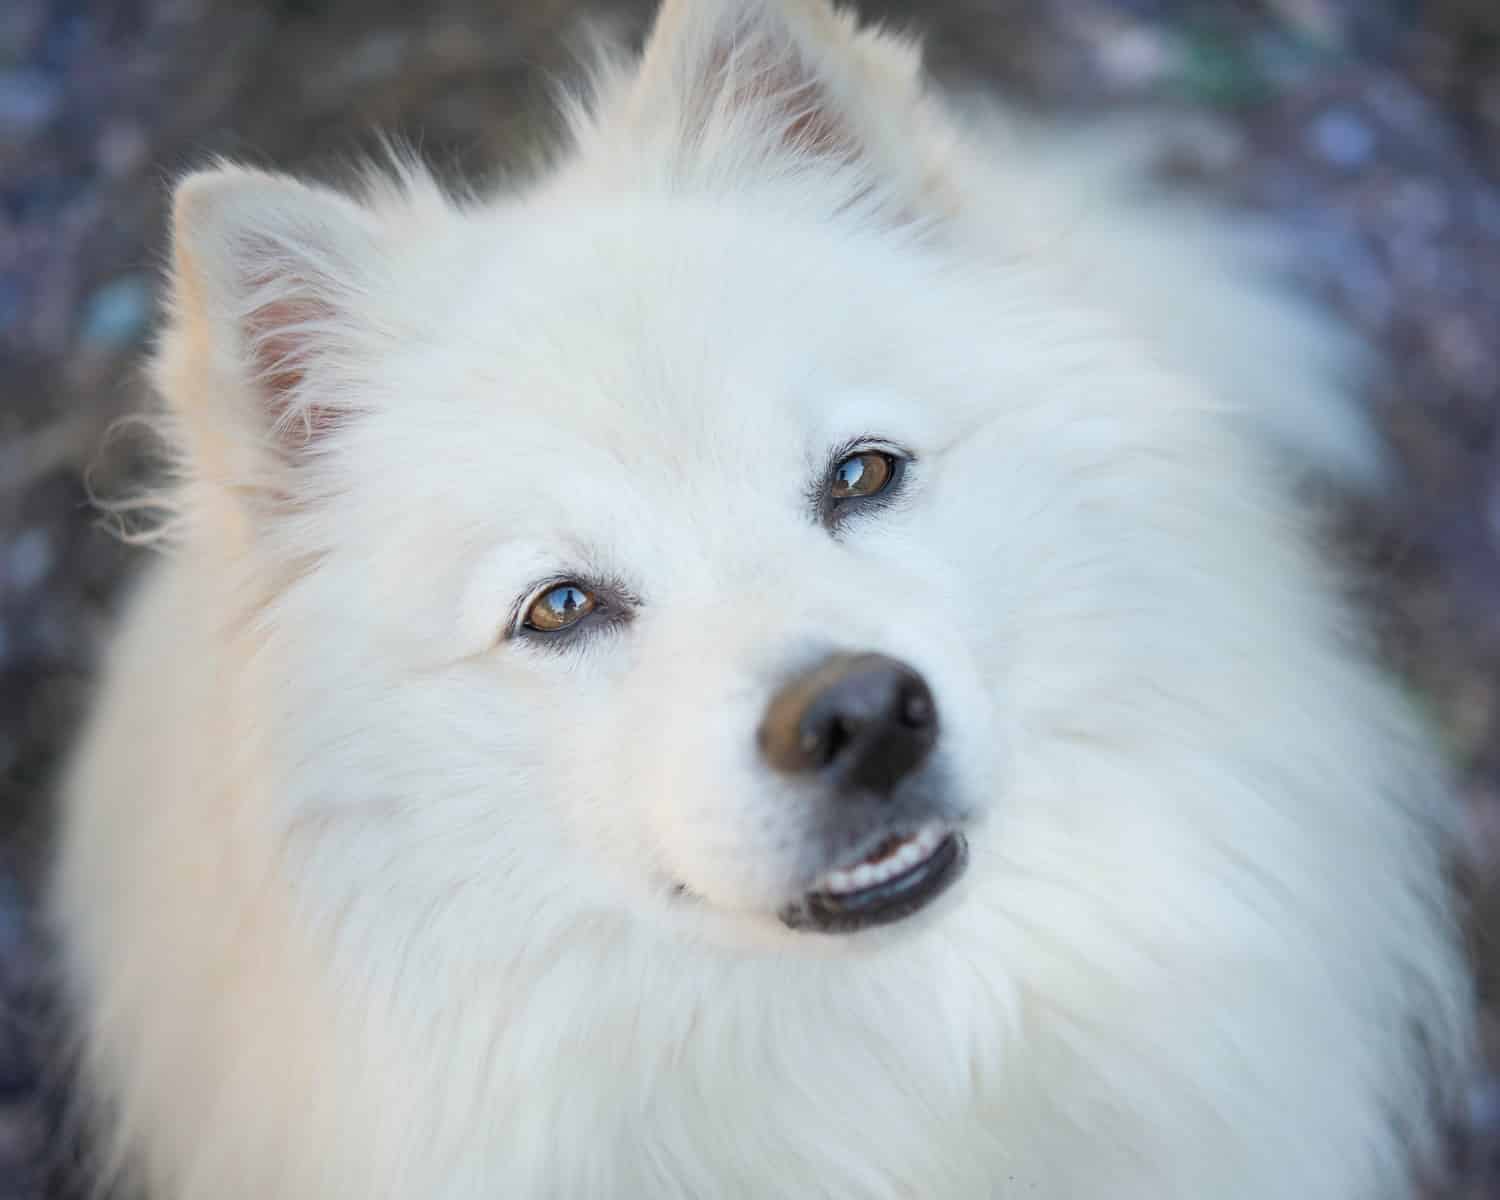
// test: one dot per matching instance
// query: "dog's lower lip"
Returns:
(887, 901)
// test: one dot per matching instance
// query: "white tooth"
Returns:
(912, 850)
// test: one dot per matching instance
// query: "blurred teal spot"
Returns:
(1219, 71)
(116, 315)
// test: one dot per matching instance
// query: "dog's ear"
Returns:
(268, 275)
(750, 83)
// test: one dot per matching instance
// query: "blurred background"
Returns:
(1369, 130)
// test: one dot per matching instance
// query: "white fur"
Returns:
(361, 900)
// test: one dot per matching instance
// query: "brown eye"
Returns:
(867, 473)
(559, 607)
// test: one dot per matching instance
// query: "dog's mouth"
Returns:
(901, 876)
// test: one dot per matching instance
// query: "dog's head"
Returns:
(691, 532)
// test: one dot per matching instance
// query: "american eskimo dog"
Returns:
(781, 658)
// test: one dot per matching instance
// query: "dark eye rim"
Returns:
(613, 605)
(833, 510)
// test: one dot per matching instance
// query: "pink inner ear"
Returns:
(282, 336)
(755, 75)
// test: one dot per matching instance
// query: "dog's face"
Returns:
(706, 597)
(716, 597)
(680, 537)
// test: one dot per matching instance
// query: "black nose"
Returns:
(863, 721)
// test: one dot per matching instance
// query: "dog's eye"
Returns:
(867, 473)
(559, 607)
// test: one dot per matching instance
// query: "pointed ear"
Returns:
(759, 82)
(268, 278)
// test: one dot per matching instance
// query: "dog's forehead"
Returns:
(652, 302)
(661, 354)
(677, 316)
(588, 340)
(577, 465)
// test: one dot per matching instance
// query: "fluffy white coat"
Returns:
(360, 898)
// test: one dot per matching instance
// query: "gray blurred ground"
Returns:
(1370, 129)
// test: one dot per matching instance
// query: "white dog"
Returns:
(778, 659)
